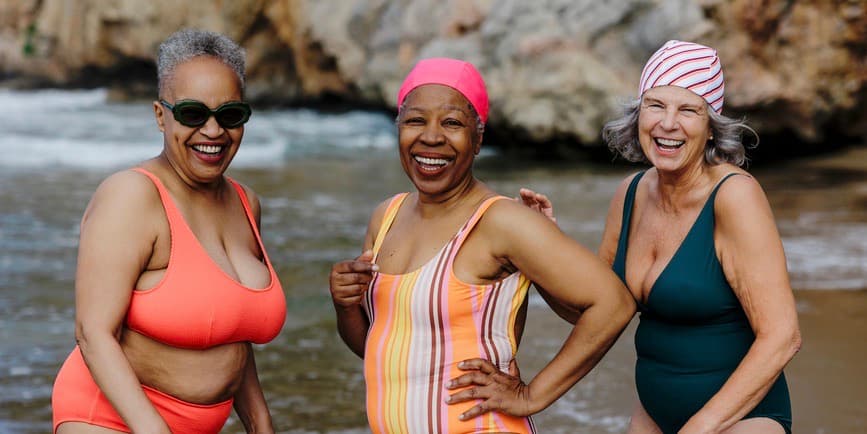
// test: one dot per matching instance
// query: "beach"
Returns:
(319, 176)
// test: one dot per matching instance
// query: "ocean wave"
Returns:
(81, 128)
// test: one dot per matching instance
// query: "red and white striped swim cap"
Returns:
(688, 65)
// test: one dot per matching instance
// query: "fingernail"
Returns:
(450, 384)
(462, 365)
(462, 417)
(448, 399)
(375, 267)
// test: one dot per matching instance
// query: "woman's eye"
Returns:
(453, 123)
(414, 121)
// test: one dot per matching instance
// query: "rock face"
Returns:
(555, 69)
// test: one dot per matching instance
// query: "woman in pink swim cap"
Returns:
(439, 292)
(694, 240)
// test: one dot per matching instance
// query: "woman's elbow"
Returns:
(794, 342)
(624, 309)
(87, 335)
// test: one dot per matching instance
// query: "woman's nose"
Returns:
(432, 134)
(669, 119)
(211, 128)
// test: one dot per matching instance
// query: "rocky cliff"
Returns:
(556, 69)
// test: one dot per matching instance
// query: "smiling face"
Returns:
(437, 140)
(201, 154)
(673, 128)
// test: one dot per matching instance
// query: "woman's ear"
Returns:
(159, 114)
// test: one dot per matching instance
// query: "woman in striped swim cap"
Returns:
(694, 240)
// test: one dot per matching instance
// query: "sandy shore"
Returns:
(827, 379)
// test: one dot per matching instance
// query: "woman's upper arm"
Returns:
(118, 232)
(535, 245)
(751, 253)
(613, 221)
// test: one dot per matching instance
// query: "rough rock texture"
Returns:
(556, 69)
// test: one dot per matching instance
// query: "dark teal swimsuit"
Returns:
(692, 332)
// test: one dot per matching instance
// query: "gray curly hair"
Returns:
(187, 44)
(727, 146)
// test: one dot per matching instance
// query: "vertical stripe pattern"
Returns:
(688, 65)
(422, 324)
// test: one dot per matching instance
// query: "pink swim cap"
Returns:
(688, 65)
(456, 74)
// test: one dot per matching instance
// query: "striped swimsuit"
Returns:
(422, 324)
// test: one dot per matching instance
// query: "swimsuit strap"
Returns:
(173, 214)
(251, 219)
(719, 184)
(464, 232)
(625, 222)
(387, 220)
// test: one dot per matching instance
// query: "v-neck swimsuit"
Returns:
(196, 305)
(693, 331)
(422, 323)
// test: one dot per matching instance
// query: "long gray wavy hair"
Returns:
(727, 145)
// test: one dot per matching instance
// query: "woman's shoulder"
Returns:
(126, 194)
(737, 193)
(378, 215)
(127, 185)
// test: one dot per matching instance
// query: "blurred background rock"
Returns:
(556, 69)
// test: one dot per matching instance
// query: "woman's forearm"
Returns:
(750, 382)
(116, 379)
(250, 404)
(352, 325)
(594, 333)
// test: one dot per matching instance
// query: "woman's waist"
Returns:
(204, 377)
(692, 348)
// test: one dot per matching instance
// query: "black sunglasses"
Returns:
(195, 113)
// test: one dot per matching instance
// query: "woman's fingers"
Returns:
(477, 364)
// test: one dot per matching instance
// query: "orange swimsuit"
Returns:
(196, 305)
(422, 324)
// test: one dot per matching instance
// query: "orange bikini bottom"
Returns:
(77, 398)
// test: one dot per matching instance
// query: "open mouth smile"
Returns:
(669, 144)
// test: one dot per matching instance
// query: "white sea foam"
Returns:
(81, 128)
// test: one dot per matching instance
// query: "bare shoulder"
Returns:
(378, 213)
(620, 194)
(252, 199)
(126, 189)
(741, 208)
(739, 192)
(376, 218)
(124, 200)
(507, 215)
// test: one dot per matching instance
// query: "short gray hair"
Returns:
(187, 44)
(727, 146)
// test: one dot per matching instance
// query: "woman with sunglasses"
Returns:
(173, 282)
(445, 273)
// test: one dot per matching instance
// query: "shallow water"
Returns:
(319, 176)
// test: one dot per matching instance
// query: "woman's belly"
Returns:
(198, 376)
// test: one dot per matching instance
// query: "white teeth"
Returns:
(432, 161)
(208, 149)
(669, 142)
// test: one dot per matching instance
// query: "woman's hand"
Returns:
(350, 279)
(538, 202)
(499, 391)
